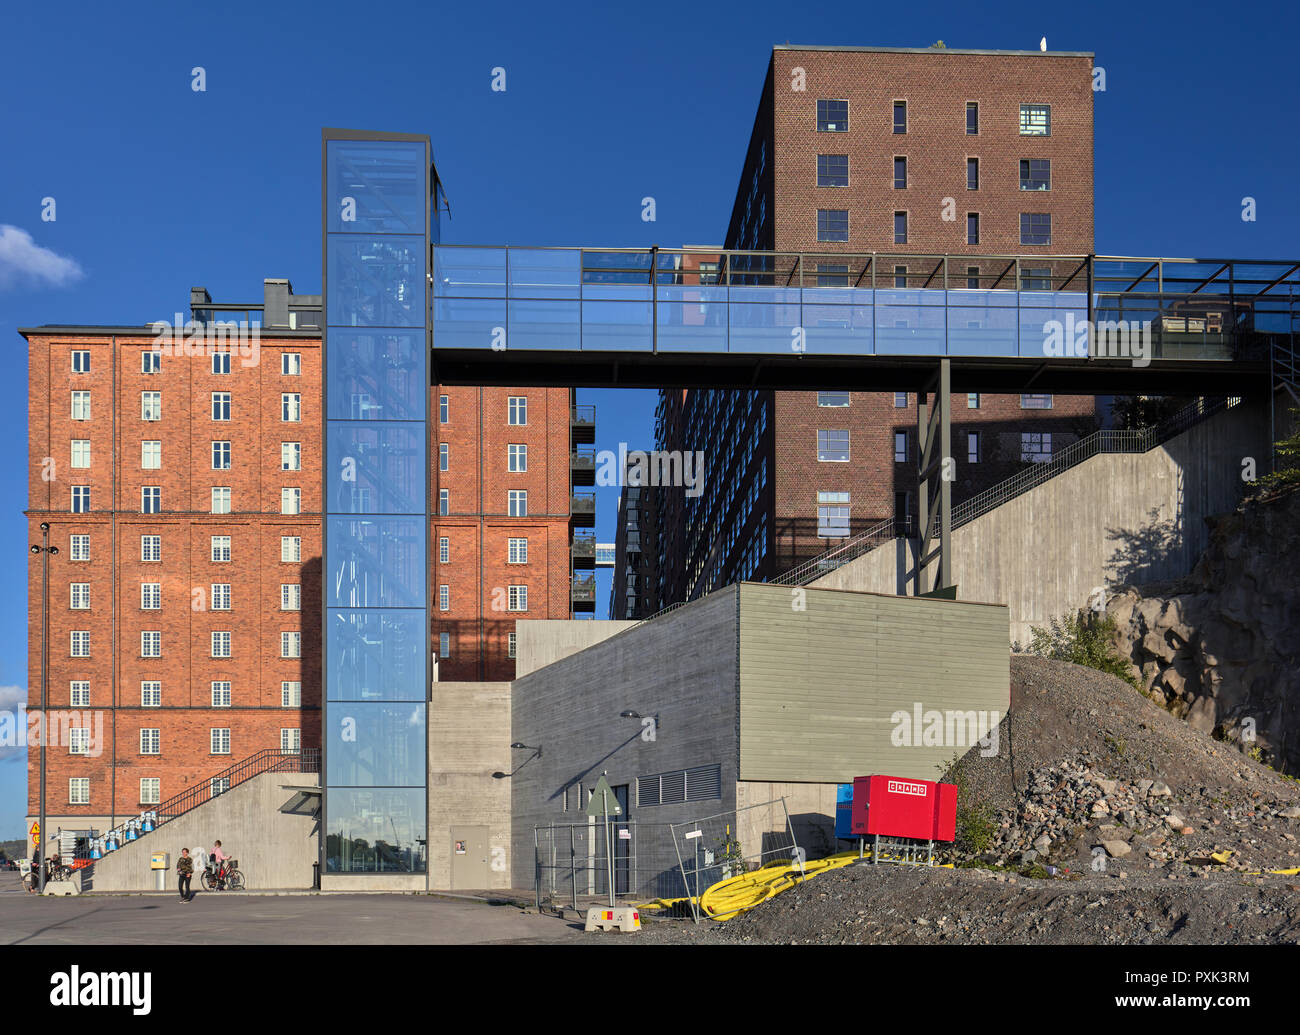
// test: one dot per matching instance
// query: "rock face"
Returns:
(1221, 648)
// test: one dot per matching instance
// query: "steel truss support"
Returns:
(935, 469)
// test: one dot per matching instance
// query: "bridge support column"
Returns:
(935, 469)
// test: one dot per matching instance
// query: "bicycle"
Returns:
(223, 878)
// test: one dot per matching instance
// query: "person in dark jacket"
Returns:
(184, 871)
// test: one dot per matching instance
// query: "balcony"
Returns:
(582, 424)
(583, 593)
(583, 551)
(582, 465)
(582, 507)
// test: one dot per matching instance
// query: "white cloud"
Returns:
(10, 698)
(24, 262)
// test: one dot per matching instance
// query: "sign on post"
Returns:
(602, 798)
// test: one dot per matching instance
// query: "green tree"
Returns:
(1288, 460)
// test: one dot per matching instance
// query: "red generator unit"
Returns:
(892, 807)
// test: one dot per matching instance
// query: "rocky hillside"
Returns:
(1221, 648)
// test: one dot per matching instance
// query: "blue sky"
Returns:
(158, 187)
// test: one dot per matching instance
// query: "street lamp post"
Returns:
(45, 550)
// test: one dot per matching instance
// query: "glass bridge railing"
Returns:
(727, 302)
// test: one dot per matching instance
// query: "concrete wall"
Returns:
(1116, 518)
(469, 740)
(275, 849)
(541, 642)
(811, 809)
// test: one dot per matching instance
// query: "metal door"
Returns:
(469, 859)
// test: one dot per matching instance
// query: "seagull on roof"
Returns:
(1042, 44)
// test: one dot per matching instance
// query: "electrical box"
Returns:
(844, 811)
(892, 806)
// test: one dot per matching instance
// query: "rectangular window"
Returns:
(151, 405)
(444, 502)
(291, 741)
(444, 598)
(221, 406)
(291, 645)
(833, 446)
(832, 116)
(290, 407)
(972, 228)
(972, 278)
(1035, 120)
(517, 503)
(221, 362)
(79, 548)
(290, 596)
(518, 598)
(832, 398)
(972, 118)
(221, 499)
(900, 447)
(221, 456)
(832, 515)
(444, 456)
(220, 740)
(1035, 174)
(444, 550)
(900, 228)
(972, 174)
(291, 693)
(151, 596)
(291, 456)
(290, 363)
(79, 693)
(517, 406)
(1035, 228)
(444, 645)
(832, 224)
(79, 787)
(150, 362)
(150, 693)
(1034, 278)
(517, 551)
(81, 406)
(150, 742)
(832, 170)
(151, 548)
(900, 173)
(290, 549)
(900, 116)
(444, 409)
(832, 274)
(972, 447)
(81, 452)
(972, 400)
(1035, 447)
(150, 499)
(516, 459)
(221, 693)
(150, 786)
(80, 362)
(221, 644)
(218, 786)
(902, 510)
(81, 499)
(1030, 401)
(900, 400)
(290, 500)
(220, 548)
(220, 596)
(79, 740)
(150, 456)
(80, 596)
(512, 644)
(151, 644)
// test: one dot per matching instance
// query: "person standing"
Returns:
(220, 858)
(184, 871)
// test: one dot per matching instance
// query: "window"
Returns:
(444, 550)
(150, 742)
(900, 228)
(444, 644)
(900, 116)
(832, 224)
(517, 504)
(150, 456)
(221, 456)
(79, 693)
(1035, 402)
(291, 456)
(444, 409)
(512, 645)
(220, 596)
(151, 596)
(972, 278)
(79, 789)
(290, 500)
(972, 228)
(80, 499)
(220, 740)
(151, 405)
(220, 548)
(833, 446)
(832, 274)
(221, 362)
(80, 361)
(291, 741)
(290, 363)
(832, 515)
(218, 786)
(518, 410)
(290, 596)
(972, 447)
(1035, 278)
(150, 499)
(902, 510)
(79, 740)
(1035, 446)
(221, 406)
(972, 118)
(832, 116)
(150, 362)
(80, 596)
(900, 447)
(516, 459)
(900, 400)
(290, 549)
(290, 407)
(517, 551)
(221, 499)
(444, 456)
(832, 170)
(81, 452)
(1035, 120)
(291, 694)
(518, 599)
(900, 172)
(1035, 174)
(444, 502)
(1035, 228)
(150, 693)
(291, 645)
(972, 174)
(221, 644)
(79, 548)
(832, 398)
(81, 406)
(151, 548)
(150, 786)
(444, 598)
(221, 693)
(972, 400)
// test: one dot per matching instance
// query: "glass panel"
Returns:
(909, 330)
(544, 272)
(981, 330)
(468, 323)
(763, 328)
(375, 562)
(838, 329)
(1054, 333)
(536, 324)
(376, 831)
(384, 182)
(376, 655)
(376, 281)
(469, 272)
(375, 745)
(386, 463)
(693, 326)
(376, 376)
(616, 326)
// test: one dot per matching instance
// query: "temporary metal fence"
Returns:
(572, 862)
